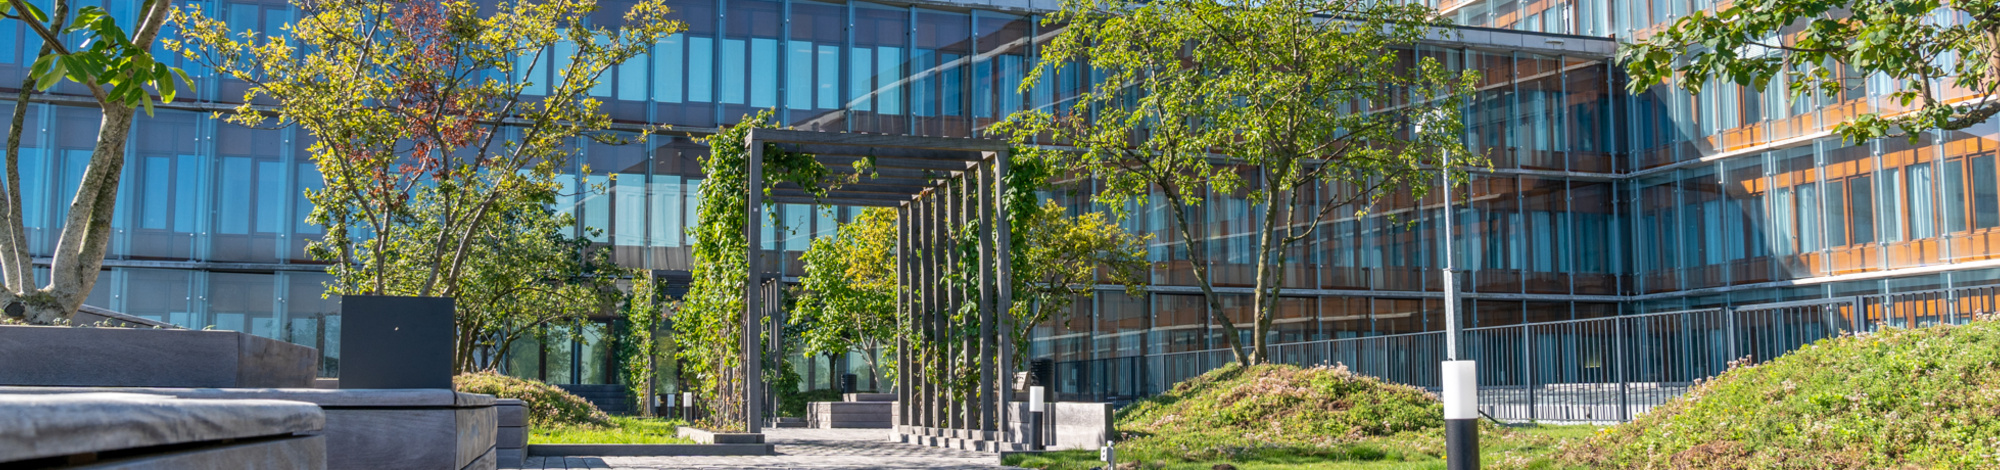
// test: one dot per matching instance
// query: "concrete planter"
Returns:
(434, 429)
(132, 357)
(395, 342)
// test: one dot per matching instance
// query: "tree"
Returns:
(525, 276)
(1938, 55)
(1302, 107)
(117, 69)
(431, 102)
(1059, 261)
(847, 297)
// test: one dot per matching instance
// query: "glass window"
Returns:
(732, 71)
(243, 302)
(1863, 209)
(701, 69)
(668, 66)
(1921, 208)
(1954, 196)
(1985, 194)
(1836, 213)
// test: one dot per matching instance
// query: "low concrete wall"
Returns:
(370, 429)
(1071, 425)
(134, 357)
(126, 430)
(512, 441)
(847, 414)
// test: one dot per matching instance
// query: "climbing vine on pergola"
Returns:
(953, 264)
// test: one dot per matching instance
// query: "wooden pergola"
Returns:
(936, 184)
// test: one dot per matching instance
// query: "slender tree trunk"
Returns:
(1198, 258)
(16, 264)
(1267, 283)
(79, 254)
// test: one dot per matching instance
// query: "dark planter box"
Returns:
(133, 357)
(395, 342)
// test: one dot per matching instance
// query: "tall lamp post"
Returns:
(1461, 377)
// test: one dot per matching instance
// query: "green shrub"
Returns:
(793, 404)
(1922, 398)
(548, 406)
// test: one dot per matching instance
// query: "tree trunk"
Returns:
(1198, 260)
(79, 256)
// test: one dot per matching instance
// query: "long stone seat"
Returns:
(851, 414)
(131, 430)
(369, 428)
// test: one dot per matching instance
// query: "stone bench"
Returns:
(371, 428)
(133, 431)
(851, 414)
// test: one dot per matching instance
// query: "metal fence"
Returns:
(1595, 370)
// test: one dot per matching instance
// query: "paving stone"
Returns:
(800, 448)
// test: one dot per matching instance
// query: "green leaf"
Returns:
(48, 71)
(35, 12)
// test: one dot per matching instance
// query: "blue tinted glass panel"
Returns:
(701, 69)
(309, 179)
(156, 201)
(828, 86)
(763, 72)
(187, 190)
(732, 71)
(233, 209)
(860, 84)
(632, 79)
(666, 207)
(951, 101)
(271, 197)
(799, 75)
(33, 188)
(889, 73)
(668, 65)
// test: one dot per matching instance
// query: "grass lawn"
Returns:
(623, 430)
(1504, 447)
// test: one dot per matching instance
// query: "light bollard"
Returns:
(1461, 415)
(1035, 405)
(687, 406)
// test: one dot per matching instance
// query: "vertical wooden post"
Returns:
(753, 397)
(1003, 282)
(929, 306)
(905, 278)
(989, 393)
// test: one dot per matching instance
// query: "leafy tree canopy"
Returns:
(1937, 53)
(1272, 101)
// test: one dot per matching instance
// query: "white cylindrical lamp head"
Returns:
(1461, 390)
(1035, 398)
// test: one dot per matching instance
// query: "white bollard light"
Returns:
(1035, 407)
(1461, 415)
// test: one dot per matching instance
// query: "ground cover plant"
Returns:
(1288, 417)
(618, 430)
(1918, 398)
(548, 406)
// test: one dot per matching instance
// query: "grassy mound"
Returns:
(1284, 404)
(1273, 417)
(1922, 398)
(548, 406)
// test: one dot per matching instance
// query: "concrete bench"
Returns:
(132, 431)
(371, 428)
(851, 414)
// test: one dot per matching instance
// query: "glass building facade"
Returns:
(1602, 208)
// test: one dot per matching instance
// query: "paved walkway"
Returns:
(801, 449)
